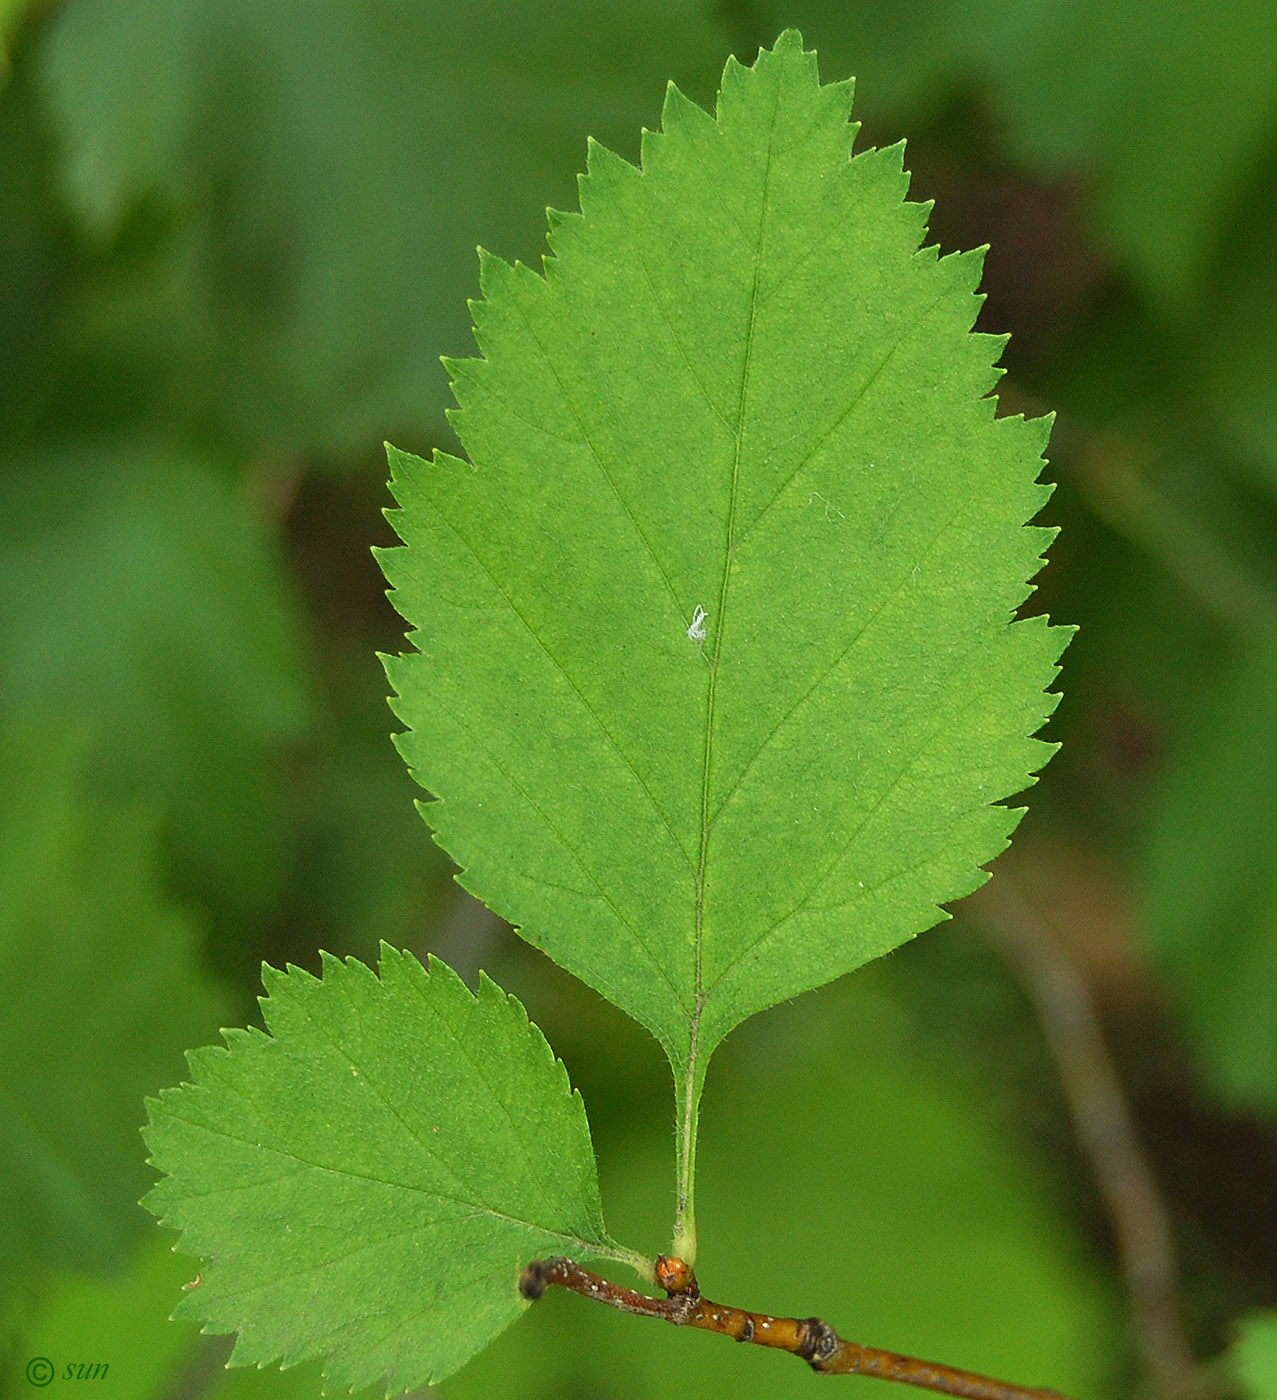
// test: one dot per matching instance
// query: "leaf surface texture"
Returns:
(740, 401)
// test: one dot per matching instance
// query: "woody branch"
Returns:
(810, 1338)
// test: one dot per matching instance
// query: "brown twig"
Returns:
(1105, 1131)
(814, 1341)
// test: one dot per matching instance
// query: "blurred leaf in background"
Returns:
(1212, 884)
(1254, 1356)
(11, 13)
(326, 173)
(119, 1321)
(123, 1322)
(140, 593)
(104, 992)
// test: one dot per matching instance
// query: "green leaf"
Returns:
(740, 393)
(103, 989)
(370, 1178)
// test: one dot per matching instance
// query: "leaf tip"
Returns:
(787, 47)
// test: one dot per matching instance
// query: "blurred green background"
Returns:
(235, 236)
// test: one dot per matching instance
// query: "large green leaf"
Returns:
(369, 1178)
(715, 676)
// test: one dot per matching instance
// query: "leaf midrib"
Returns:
(423, 1145)
(698, 998)
(478, 1208)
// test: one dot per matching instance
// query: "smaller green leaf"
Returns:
(369, 1178)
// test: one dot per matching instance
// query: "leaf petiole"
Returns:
(644, 1267)
(687, 1102)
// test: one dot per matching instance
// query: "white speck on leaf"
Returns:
(696, 632)
(831, 510)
